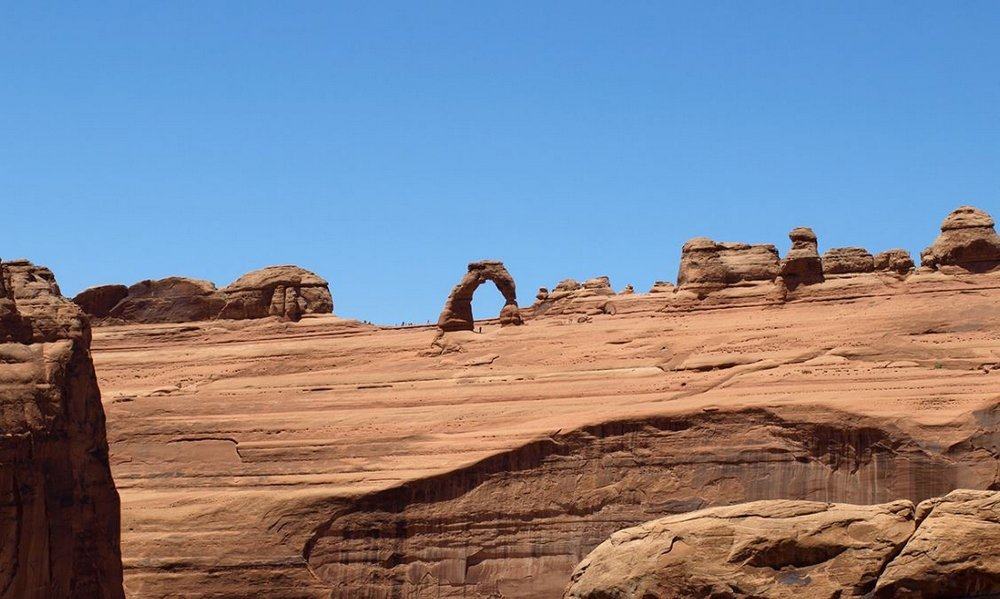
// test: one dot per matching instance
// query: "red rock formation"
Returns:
(59, 514)
(967, 241)
(457, 312)
(98, 301)
(285, 291)
(849, 260)
(707, 265)
(802, 264)
(945, 547)
(895, 260)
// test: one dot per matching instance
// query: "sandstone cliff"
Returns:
(59, 512)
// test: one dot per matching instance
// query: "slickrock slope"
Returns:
(326, 458)
(285, 291)
(946, 547)
(59, 516)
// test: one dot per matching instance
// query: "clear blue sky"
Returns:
(385, 145)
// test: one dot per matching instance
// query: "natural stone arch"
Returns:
(457, 312)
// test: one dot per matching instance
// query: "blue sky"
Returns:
(385, 145)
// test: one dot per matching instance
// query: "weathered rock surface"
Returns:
(895, 260)
(955, 551)
(331, 458)
(849, 260)
(285, 291)
(59, 512)
(947, 547)
(968, 240)
(570, 297)
(173, 299)
(802, 265)
(457, 312)
(98, 301)
(707, 265)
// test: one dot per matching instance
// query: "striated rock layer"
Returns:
(945, 547)
(59, 511)
(327, 458)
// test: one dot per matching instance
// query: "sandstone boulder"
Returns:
(895, 260)
(286, 291)
(662, 287)
(802, 265)
(707, 265)
(457, 312)
(968, 240)
(98, 301)
(955, 551)
(510, 315)
(847, 260)
(796, 549)
(59, 510)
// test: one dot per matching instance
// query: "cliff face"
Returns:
(59, 511)
(330, 457)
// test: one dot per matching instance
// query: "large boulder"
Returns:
(802, 265)
(707, 265)
(59, 510)
(948, 547)
(98, 301)
(847, 260)
(968, 240)
(955, 551)
(173, 299)
(286, 291)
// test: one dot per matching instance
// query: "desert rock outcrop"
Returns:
(848, 260)
(98, 301)
(707, 265)
(802, 265)
(457, 312)
(791, 549)
(59, 511)
(968, 240)
(895, 260)
(285, 291)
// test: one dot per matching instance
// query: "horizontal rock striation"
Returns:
(284, 291)
(707, 265)
(849, 260)
(945, 547)
(59, 511)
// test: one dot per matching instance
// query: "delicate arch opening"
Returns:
(457, 312)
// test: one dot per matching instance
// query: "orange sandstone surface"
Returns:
(330, 458)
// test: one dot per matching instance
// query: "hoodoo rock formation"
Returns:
(707, 265)
(849, 260)
(457, 312)
(802, 265)
(945, 547)
(285, 291)
(59, 511)
(968, 240)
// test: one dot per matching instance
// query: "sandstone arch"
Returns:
(457, 312)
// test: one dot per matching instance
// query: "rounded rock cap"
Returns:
(802, 234)
(699, 244)
(966, 217)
